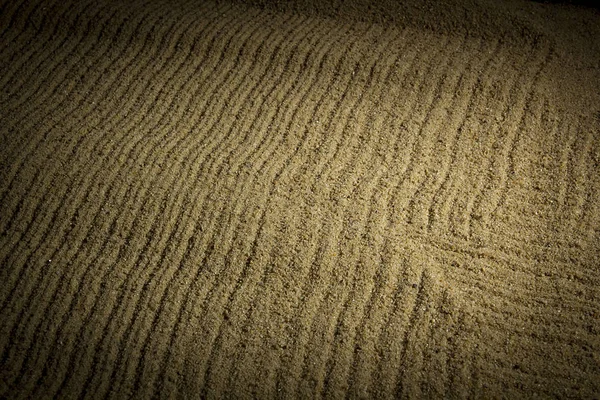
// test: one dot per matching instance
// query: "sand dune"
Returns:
(299, 199)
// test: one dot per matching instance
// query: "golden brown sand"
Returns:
(299, 199)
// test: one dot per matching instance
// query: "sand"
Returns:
(299, 199)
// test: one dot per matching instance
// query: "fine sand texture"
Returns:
(299, 199)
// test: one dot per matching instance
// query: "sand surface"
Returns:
(299, 199)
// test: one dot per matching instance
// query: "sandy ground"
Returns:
(299, 199)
